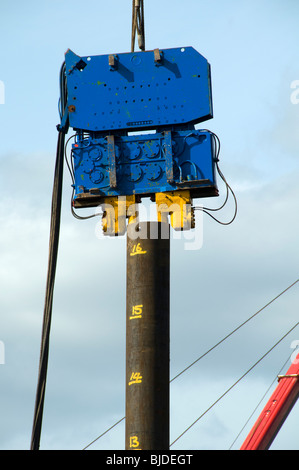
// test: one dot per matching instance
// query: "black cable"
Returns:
(52, 262)
(63, 90)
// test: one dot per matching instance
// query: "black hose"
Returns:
(52, 262)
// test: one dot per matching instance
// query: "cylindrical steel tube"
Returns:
(147, 338)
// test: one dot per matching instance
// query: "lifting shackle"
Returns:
(138, 25)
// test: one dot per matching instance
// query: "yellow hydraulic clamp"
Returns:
(177, 205)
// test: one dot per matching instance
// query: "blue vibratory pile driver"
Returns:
(134, 117)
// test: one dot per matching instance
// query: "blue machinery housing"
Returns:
(134, 116)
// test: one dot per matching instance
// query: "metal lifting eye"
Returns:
(191, 163)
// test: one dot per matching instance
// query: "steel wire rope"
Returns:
(234, 384)
(260, 401)
(205, 354)
(47, 317)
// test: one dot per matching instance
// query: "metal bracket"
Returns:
(111, 159)
(132, 92)
(64, 125)
(75, 62)
(288, 376)
(113, 61)
(158, 56)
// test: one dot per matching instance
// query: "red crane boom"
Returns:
(276, 410)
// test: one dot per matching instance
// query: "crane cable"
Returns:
(235, 330)
(138, 25)
(207, 210)
(52, 262)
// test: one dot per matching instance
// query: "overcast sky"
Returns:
(252, 47)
